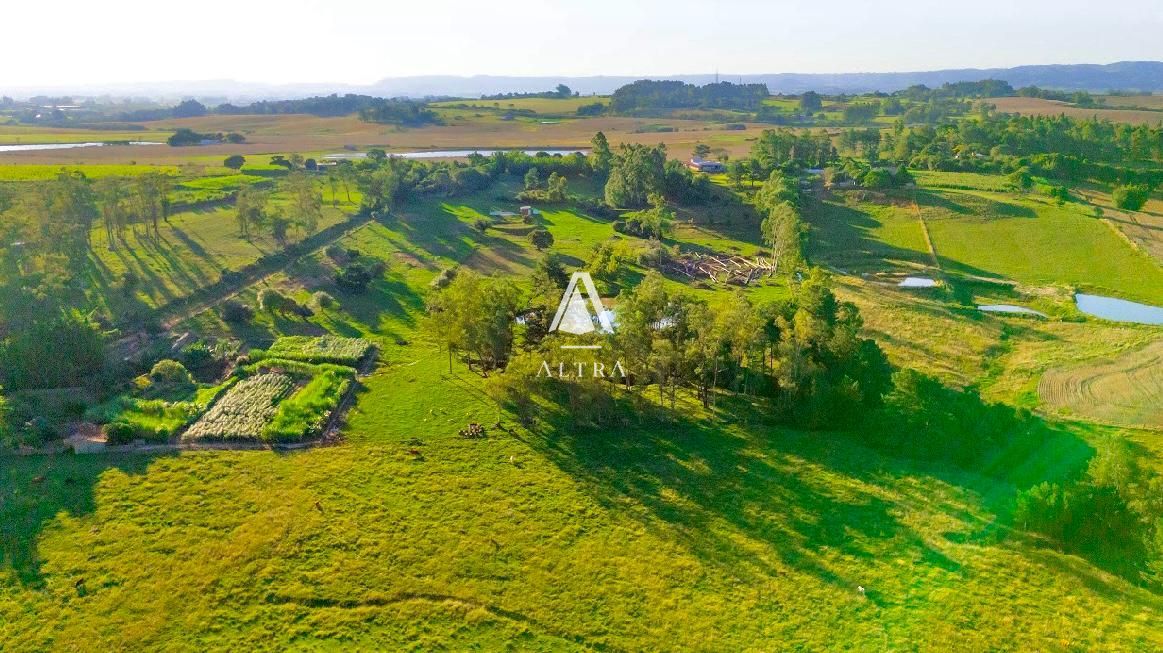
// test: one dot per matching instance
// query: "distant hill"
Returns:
(1124, 75)
(1128, 75)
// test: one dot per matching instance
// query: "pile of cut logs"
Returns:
(734, 270)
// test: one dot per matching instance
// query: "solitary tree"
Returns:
(250, 209)
(811, 102)
(541, 238)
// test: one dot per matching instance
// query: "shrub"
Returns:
(272, 300)
(120, 433)
(336, 253)
(353, 278)
(444, 278)
(482, 225)
(67, 349)
(323, 300)
(170, 372)
(236, 312)
(5, 427)
(1132, 197)
(541, 238)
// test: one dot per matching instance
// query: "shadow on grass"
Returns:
(757, 499)
(35, 489)
(981, 207)
(738, 489)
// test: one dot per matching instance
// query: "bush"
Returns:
(65, 350)
(541, 238)
(1132, 197)
(236, 312)
(353, 278)
(323, 300)
(120, 433)
(444, 278)
(170, 372)
(5, 426)
(272, 300)
(336, 253)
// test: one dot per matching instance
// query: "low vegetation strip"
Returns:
(244, 412)
(324, 349)
(305, 414)
(1126, 390)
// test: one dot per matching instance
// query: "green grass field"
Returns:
(697, 530)
(1036, 243)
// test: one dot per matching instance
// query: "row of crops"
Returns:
(245, 410)
(325, 349)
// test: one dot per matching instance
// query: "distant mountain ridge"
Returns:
(1123, 75)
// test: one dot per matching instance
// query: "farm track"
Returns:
(928, 236)
(1126, 390)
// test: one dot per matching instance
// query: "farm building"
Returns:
(699, 164)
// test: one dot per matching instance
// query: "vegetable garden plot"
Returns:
(325, 349)
(244, 411)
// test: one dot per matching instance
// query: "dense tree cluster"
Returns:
(646, 95)
(1054, 143)
(399, 112)
(804, 353)
(637, 171)
(778, 148)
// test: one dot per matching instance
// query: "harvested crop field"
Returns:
(1039, 107)
(1125, 390)
(464, 130)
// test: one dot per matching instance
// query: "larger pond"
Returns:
(33, 147)
(1118, 310)
(448, 154)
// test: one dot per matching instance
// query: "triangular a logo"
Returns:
(574, 315)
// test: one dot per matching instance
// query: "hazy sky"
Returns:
(359, 41)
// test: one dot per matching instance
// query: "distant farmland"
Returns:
(1039, 107)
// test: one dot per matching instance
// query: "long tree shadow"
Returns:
(760, 497)
(34, 490)
(757, 501)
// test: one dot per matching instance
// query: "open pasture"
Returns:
(1126, 389)
(1036, 243)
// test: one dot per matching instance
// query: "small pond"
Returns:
(34, 147)
(1118, 310)
(917, 282)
